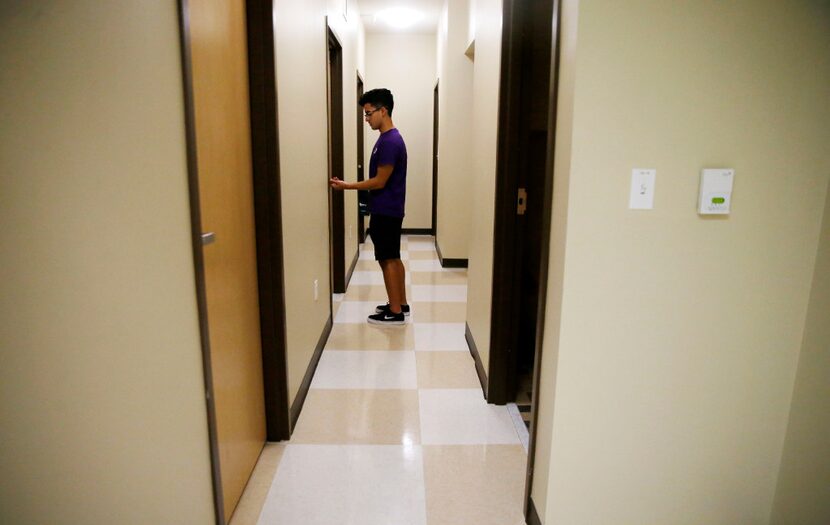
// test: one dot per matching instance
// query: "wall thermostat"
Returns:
(715, 191)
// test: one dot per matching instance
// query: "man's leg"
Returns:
(401, 281)
(394, 280)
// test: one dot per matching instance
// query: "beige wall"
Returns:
(303, 145)
(349, 31)
(803, 495)
(455, 122)
(405, 64)
(102, 408)
(675, 355)
(485, 98)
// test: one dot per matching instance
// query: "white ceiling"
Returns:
(429, 24)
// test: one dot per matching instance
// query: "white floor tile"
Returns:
(431, 265)
(463, 417)
(337, 297)
(356, 312)
(372, 277)
(366, 370)
(420, 246)
(347, 485)
(442, 293)
(425, 265)
(368, 254)
(440, 337)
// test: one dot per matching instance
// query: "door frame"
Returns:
(268, 226)
(361, 155)
(556, 39)
(337, 202)
(262, 80)
(505, 284)
(435, 100)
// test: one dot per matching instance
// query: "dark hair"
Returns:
(380, 97)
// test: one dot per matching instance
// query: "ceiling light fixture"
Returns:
(399, 17)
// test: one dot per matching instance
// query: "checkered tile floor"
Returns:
(395, 429)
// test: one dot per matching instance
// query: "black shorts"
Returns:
(386, 235)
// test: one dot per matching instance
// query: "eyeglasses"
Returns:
(367, 114)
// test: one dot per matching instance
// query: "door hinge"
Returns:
(521, 202)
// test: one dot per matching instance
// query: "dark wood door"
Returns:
(535, 20)
(435, 161)
(361, 224)
(337, 236)
(527, 120)
(521, 179)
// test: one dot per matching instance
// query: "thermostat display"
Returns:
(715, 191)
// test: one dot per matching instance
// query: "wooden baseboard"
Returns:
(417, 231)
(450, 263)
(297, 405)
(351, 268)
(532, 517)
(482, 375)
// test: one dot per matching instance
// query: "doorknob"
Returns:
(208, 238)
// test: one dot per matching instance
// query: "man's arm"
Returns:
(376, 183)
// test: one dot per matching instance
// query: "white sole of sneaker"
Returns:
(387, 323)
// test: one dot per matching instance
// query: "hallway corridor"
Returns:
(395, 430)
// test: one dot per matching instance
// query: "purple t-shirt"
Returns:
(389, 150)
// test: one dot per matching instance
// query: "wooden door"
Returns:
(217, 38)
(336, 154)
(362, 194)
(435, 161)
(535, 28)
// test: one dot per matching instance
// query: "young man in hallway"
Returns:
(387, 196)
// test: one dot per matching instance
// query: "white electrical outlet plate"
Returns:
(316, 290)
(641, 196)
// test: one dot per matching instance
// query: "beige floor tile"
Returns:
(423, 255)
(453, 277)
(369, 292)
(363, 336)
(446, 370)
(481, 484)
(378, 417)
(253, 498)
(439, 312)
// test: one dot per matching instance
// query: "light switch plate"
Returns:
(642, 189)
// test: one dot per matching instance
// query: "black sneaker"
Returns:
(387, 318)
(379, 309)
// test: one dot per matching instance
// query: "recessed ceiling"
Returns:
(428, 24)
